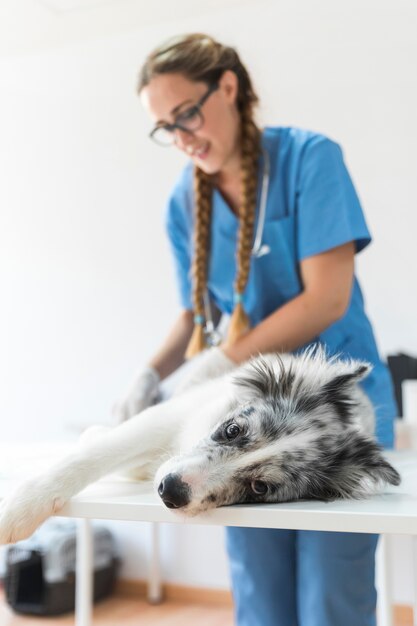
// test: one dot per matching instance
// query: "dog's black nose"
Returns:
(174, 492)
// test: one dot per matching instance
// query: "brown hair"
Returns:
(202, 59)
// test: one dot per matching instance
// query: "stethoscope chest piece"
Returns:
(262, 251)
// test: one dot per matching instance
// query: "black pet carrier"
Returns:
(40, 571)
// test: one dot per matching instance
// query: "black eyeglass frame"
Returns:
(171, 127)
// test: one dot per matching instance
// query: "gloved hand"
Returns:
(142, 392)
(209, 364)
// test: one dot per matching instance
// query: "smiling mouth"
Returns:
(199, 153)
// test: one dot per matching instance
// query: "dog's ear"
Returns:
(258, 379)
(346, 374)
(353, 467)
(338, 391)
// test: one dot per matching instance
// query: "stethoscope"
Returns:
(259, 249)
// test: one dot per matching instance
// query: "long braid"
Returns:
(250, 151)
(203, 190)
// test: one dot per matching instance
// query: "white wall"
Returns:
(82, 249)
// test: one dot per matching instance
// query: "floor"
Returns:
(122, 611)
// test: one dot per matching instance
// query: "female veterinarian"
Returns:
(264, 224)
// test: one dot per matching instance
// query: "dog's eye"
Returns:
(232, 431)
(259, 487)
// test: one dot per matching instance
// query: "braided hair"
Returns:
(202, 59)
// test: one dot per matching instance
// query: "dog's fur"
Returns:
(278, 428)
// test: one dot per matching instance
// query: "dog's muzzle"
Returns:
(174, 492)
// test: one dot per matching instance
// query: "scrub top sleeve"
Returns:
(328, 210)
(180, 242)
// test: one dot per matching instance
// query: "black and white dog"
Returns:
(278, 428)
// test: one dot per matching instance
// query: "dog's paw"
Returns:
(25, 510)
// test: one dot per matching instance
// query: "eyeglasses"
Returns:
(188, 121)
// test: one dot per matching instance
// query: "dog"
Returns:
(276, 429)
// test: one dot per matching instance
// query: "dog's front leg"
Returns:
(132, 442)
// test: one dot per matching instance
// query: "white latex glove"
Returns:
(209, 364)
(142, 392)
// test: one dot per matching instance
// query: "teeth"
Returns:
(197, 152)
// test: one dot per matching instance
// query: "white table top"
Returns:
(114, 498)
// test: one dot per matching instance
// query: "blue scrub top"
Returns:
(311, 207)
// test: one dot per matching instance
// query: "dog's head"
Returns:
(296, 433)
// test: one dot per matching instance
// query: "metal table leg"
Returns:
(84, 574)
(154, 579)
(414, 540)
(383, 583)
